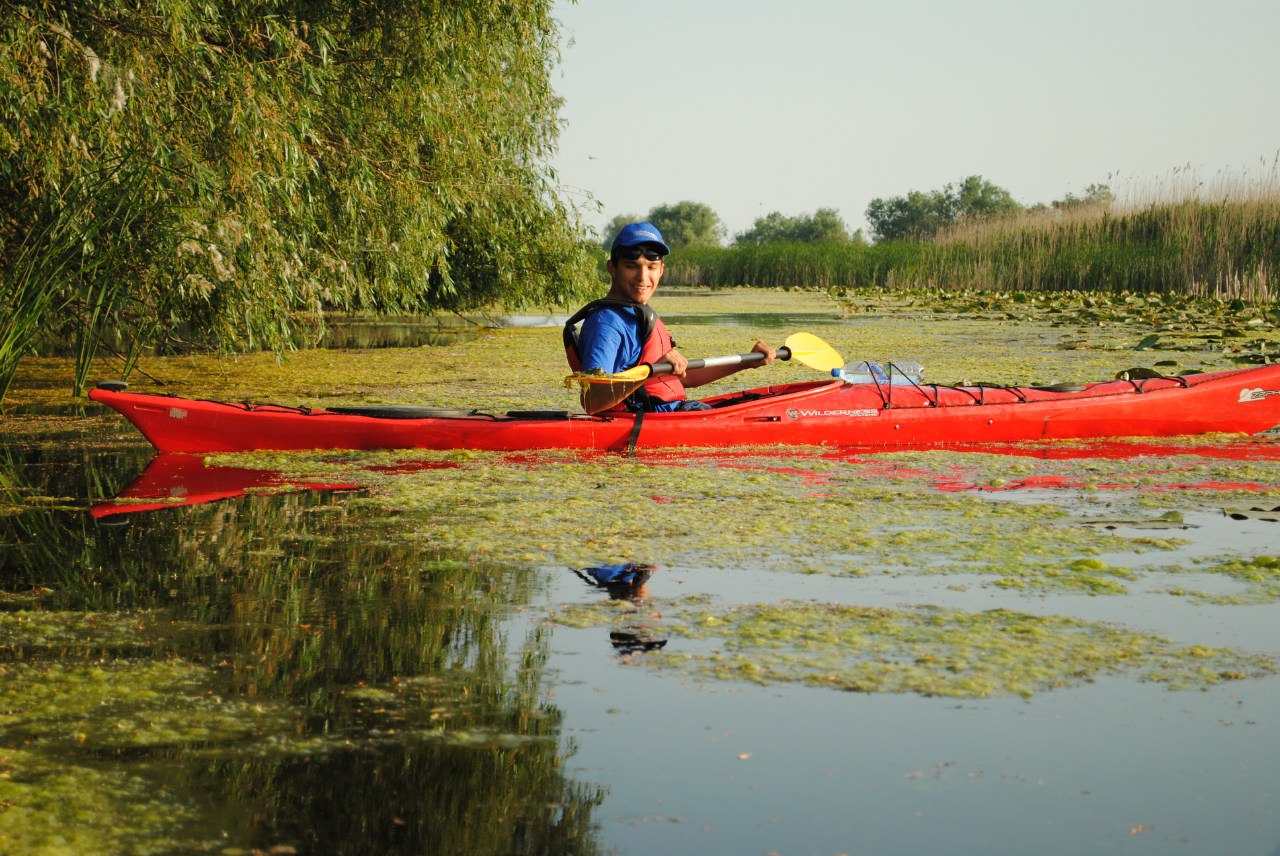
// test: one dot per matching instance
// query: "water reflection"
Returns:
(395, 333)
(623, 581)
(628, 582)
(354, 331)
(754, 319)
(175, 480)
(325, 682)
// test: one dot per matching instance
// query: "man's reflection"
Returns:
(626, 581)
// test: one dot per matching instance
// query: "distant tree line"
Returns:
(917, 216)
(920, 216)
(696, 225)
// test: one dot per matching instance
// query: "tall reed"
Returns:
(65, 281)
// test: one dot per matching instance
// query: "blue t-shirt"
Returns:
(610, 340)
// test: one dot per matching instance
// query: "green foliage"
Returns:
(1095, 195)
(911, 217)
(683, 224)
(921, 215)
(978, 198)
(688, 224)
(220, 174)
(615, 226)
(823, 226)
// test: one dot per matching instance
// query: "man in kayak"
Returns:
(622, 331)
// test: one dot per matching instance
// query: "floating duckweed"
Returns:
(56, 807)
(65, 717)
(1260, 574)
(593, 615)
(159, 703)
(31, 630)
(932, 651)
(877, 513)
(1093, 567)
(23, 599)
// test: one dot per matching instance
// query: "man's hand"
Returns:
(679, 364)
(769, 353)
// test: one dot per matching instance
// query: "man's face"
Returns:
(634, 279)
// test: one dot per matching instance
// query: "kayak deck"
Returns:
(817, 413)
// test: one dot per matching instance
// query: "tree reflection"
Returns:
(418, 725)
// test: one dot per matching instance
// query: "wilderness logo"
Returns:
(796, 414)
(1257, 394)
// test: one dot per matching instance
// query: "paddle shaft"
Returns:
(664, 367)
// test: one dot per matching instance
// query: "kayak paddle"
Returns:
(602, 391)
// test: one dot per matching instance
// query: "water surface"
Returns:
(370, 653)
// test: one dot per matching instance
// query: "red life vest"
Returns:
(655, 341)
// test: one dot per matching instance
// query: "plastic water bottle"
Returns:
(908, 370)
(863, 371)
(866, 371)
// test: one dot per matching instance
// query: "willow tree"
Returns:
(219, 174)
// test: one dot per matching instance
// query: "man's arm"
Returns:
(707, 374)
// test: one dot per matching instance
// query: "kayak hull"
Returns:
(822, 413)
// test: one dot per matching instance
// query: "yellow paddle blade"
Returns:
(808, 349)
(601, 391)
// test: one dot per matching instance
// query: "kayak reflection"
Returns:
(176, 480)
(626, 581)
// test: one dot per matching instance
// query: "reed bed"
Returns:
(1218, 240)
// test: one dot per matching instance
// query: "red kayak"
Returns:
(822, 413)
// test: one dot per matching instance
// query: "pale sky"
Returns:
(753, 106)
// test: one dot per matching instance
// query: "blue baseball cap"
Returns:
(640, 233)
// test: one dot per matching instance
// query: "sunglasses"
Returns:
(633, 253)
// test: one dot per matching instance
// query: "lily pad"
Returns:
(1252, 513)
